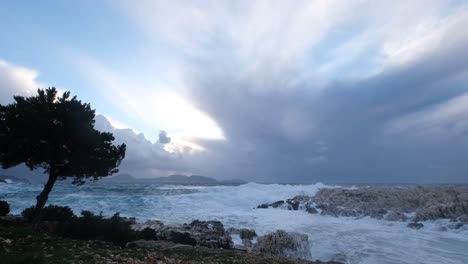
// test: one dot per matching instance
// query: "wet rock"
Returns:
(210, 234)
(202, 233)
(463, 219)
(277, 204)
(455, 226)
(310, 208)
(153, 224)
(442, 229)
(273, 205)
(179, 237)
(248, 244)
(293, 204)
(390, 203)
(415, 225)
(451, 210)
(247, 233)
(395, 216)
(282, 243)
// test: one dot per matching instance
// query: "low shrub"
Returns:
(50, 213)
(148, 234)
(4, 208)
(89, 226)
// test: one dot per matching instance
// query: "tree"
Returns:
(56, 133)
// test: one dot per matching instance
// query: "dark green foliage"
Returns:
(50, 213)
(147, 234)
(181, 238)
(90, 226)
(56, 133)
(4, 208)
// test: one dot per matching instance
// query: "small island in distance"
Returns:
(175, 179)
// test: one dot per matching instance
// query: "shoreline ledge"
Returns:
(198, 242)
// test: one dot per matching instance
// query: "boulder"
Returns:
(201, 233)
(415, 225)
(395, 216)
(456, 225)
(180, 237)
(282, 243)
(247, 233)
(153, 224)
(386, 202)
(293, 204)
(277, 204)
(273, 205)
(310, 208)
(210, 234)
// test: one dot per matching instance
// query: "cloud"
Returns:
(163, 138)
(312, 90)
(16, 80)
(143, 158)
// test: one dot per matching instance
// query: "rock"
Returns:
(395, 216)
(201, 233)
(442, 229)
(451, 210)
(153, 224)
(415, 225)
(247, 234)
(282, 243)
(179, 237)
(463, 218)
(310, 208)
(273, 205)
(456, 225)
(210, 234)
(293, 204)
(233, 231)
(277, 204)
(390, 203)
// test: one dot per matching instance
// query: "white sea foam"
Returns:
(362, 240)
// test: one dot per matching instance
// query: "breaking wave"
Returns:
(362, 240)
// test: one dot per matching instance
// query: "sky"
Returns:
(270, 91)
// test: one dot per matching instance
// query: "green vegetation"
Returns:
(4, 208)
(50, 213)
(21, 245)
(61, 221)
(56, 133)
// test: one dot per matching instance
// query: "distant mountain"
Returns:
(172, 179)
(120, 178)
(8, 178)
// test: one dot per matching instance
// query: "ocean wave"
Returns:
(362, 241)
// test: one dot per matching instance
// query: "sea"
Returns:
(361, 240)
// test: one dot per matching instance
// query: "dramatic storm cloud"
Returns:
(282, 91)
(163, 138)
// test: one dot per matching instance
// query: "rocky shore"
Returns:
(213, 235)
(197, 242)
(413, 204)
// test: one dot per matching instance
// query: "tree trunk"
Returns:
(44, 195)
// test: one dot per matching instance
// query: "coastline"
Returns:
(21, 243)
